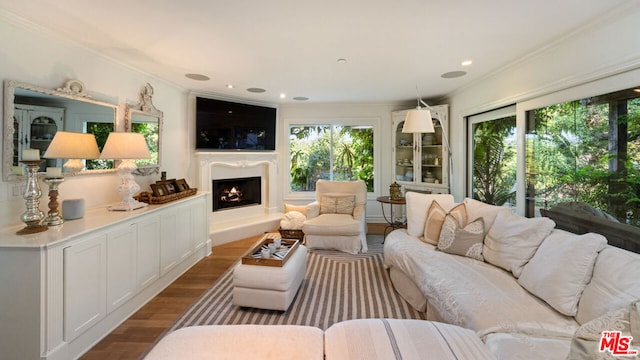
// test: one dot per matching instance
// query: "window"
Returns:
(330, 152)
(101, 131)
(492, 148)
(586, 151)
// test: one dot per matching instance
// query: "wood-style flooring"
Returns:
(135, 336)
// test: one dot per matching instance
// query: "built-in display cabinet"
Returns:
(421, 161)
(34, 128)
(66, 288)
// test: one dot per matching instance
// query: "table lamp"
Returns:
(71, 146)
(126, 147)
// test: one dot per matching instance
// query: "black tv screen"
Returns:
(224, 125)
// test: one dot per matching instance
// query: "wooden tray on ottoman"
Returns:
(254, 257)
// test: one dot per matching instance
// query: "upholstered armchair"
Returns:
(336, 220)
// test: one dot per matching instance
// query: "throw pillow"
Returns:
(342, 204)
(435, 218)
(487, 212)
(299, 208)
(292, 220)
(561, 269)
(458, 240)
(513, 239)
(586, 341)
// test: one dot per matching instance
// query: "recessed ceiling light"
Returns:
(198, 77)
(256, 90)
(467, 63)
(283, 95)
(230, 86)
(453, 74)
(301, 98)
(342, 61)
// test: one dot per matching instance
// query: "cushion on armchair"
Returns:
(337, 204)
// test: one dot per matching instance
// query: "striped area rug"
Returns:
(337, 287)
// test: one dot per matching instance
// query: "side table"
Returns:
(392, 223)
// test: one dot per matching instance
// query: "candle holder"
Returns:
(32, 193)
(53, 217)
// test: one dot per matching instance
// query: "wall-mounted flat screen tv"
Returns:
(224, 125)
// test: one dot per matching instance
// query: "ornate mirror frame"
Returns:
(71, 90)
(146, 113)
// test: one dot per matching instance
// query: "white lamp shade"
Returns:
(418, 121)
(70, 145)
(125, 145)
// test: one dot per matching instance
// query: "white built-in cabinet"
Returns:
(421, 161)
(94, 273)
(34, 128)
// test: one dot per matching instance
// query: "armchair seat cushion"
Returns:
(332, 224)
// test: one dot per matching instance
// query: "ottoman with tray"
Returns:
(270, 283)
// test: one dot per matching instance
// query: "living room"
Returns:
(566, 67)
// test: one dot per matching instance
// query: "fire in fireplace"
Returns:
(237, 192)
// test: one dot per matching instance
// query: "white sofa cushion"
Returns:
(401, 339)
(586, 341)
(509, 346)
(458, 240)
(614, 284)
(332, 224)
(417, 206)
(561, 268)
(488, 213)
(513, 239)
(435, 219)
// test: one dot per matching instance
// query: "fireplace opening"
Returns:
(238, 192)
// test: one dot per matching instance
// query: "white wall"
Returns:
(593, 60)
(34, 56)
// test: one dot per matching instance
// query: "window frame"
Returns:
(373, 122)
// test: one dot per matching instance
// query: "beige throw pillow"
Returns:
(513, 239)
(299, 208)
(465, 241)
(339, 204)
(561, 269)
(435, 218)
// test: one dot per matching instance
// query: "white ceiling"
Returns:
(292, 46)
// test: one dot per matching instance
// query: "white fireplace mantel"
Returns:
(233, 224)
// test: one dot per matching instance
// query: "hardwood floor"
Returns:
(134, 336)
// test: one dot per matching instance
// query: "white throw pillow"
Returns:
(614, 284)
(435, 219)
(417, 206)
(488, 212)
(561, 268)
(513, 239)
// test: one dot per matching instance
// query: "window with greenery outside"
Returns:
(150, 131)
(101, 131)
(330, 152)
(586, 151)
(494, 161)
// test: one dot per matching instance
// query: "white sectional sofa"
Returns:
(527, 289)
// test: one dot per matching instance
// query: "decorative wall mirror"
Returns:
(33, 114)
(144, 118)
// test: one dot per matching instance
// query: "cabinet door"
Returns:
(168, 240)
(121, 265)
(185, 241)
(85, 285)
(148, 252)
(199, 226)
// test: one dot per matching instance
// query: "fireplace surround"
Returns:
(250, 219)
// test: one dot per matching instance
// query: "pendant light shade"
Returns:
(418, 121)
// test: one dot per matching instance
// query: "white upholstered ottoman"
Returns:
(240, 342)
(270, 287)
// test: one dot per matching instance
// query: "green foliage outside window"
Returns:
(587, 151)
(330, 153)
